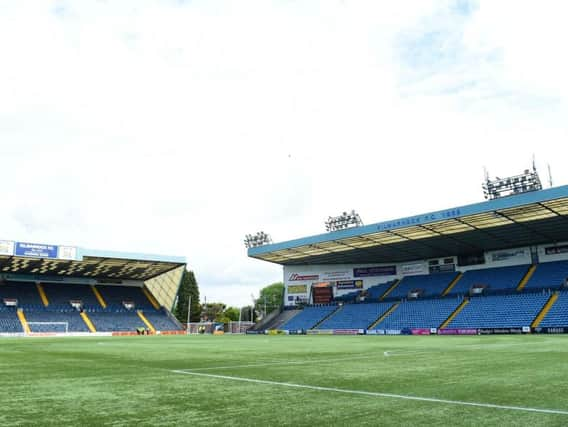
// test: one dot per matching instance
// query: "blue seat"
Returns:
(309, 317)
(430, 284)
(377, 291)
(61, 294)
(548, 275)
(420, 314)
(500, 311)
(111, 321)
(115, 295)
(9, 321)
(496, 279)
(355, 316)
(558, 314)
(160, 320)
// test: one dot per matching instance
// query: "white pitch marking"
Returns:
(375, 394)
(404, 353)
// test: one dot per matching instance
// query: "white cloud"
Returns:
(179, 127)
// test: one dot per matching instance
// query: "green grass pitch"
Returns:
(284, 380)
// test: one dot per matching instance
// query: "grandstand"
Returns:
(48, 289)
(500, 266)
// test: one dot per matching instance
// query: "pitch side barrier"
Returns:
(56, 334)
(81, 334)
(416, 331)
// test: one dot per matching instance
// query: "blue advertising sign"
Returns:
(385, 270)
(37, 250)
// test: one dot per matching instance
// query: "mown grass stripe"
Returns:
(374, 394)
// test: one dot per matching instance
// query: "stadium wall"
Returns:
(346, 278)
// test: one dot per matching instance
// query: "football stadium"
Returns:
(454, 317)
(387, 279)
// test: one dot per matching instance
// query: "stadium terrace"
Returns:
(50, 289)
(499, 266)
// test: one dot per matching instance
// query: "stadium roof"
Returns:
(515, 221)
(70, 261)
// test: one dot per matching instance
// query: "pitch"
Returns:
(285, 380)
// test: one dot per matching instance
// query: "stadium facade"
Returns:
(496, 265)
(48, 288)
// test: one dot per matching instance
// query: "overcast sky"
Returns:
(176, 127)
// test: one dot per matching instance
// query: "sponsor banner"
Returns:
(296, 332)
(348, 331)
(67, 252)
(385, 270)
(297, 289)
(35, 250)
(322, 285)
(40, 250)
(384, 332)
(505, 255)
(276, 332)
(320, 332)
(295, 277)
(248, 332)
(444, 268)
(500, 331)
(554, 250)
(412, 269)
(526, 329)
(336, 275)
(58, 334)
(6, 247)
(349, 284)
(457, 332)
(558, 330)
(420, 331)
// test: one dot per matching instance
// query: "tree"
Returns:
(270, 298)
(188, 287)
(232, 313)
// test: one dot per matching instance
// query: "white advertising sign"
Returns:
(413, 269)
(6, 247)
(508, 254)
(295, 277)
(67, 252)
(327, 276)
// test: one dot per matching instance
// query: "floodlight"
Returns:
(258, 239)
(345, 220)
(502, 187)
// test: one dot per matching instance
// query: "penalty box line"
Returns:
(374, 394)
